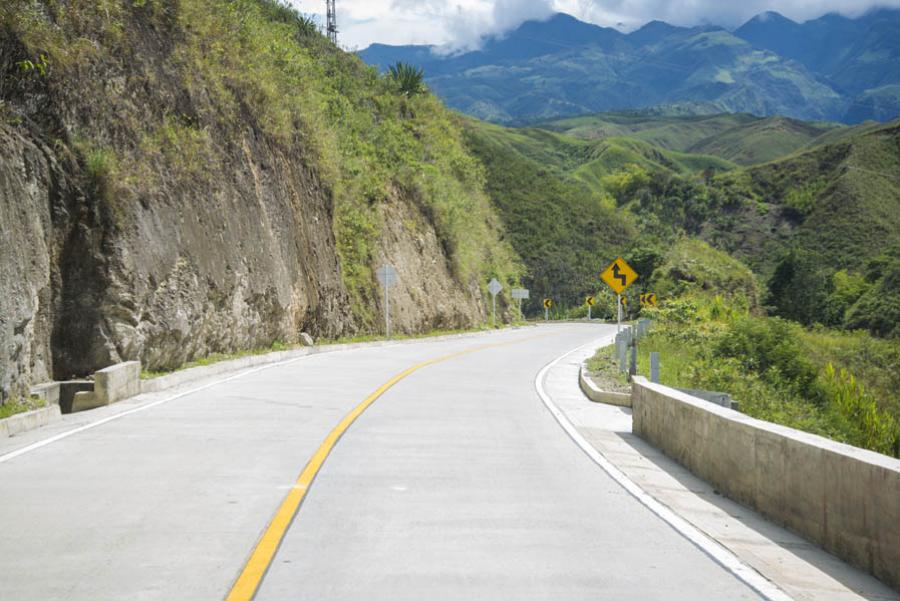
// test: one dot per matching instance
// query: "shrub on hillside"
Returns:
(857, 415)
(799, 288)
(409, 80)
(694, 265)
(772, 349)
(878, 310)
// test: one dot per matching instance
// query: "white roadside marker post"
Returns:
(494, 287)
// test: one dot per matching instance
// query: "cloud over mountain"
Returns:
(464, 24)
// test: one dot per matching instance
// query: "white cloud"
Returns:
(463, 24)
(634, 13)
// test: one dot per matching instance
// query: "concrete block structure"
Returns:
(841, 497)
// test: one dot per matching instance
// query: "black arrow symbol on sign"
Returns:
(619, 275)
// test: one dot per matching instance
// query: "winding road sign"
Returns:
(619, 276)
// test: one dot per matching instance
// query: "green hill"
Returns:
(818, 204)
(587, 161)
(742, 139)
(821, 227)
(841, 201)
(562, 231)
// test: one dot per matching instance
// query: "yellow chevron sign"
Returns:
(648, 300)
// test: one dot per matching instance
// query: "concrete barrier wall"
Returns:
(111, 385)
(843, 498)
(118, 382)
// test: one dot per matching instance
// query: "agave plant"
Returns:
(409, 79)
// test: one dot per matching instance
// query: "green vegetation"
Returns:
(14, 406)
(603, 369)
(779, 372)
(409, 80)
(587, 161)
(231, 75)
(561, 230)
(739, 138)
(693, 266)
(821, 229)
(816, 228)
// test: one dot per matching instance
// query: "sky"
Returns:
(463, 24)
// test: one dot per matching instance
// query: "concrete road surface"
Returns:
(457, 483)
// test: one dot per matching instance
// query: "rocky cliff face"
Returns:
(139, 223)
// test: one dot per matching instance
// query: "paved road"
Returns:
(456, 484)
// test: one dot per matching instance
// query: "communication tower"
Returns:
(332, 21)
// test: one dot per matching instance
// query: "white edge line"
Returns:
(712, 548)
(63, 435)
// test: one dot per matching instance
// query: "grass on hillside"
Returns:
(732, 138)
(561, 230)
(246, 68)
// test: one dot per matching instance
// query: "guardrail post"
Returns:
(632, 372)
(654, 368)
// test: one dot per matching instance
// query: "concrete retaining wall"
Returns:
(843, 498)
(601, 396)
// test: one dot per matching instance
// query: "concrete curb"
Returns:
(619, 399)
(30, 420)
(198, 373)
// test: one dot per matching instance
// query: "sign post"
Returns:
(590, 302)
(547, 304)
(618, 313)
(494, 287)
(619, 276)
(520, 294)
(387, 275)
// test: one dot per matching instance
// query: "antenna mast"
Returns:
(332, 21)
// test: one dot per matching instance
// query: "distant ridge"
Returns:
(833, 68)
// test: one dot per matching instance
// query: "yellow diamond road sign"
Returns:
(619, 276)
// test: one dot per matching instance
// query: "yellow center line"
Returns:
(247, 583)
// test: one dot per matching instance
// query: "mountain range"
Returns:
(833, 68)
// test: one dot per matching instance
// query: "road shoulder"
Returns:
(796, 566)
